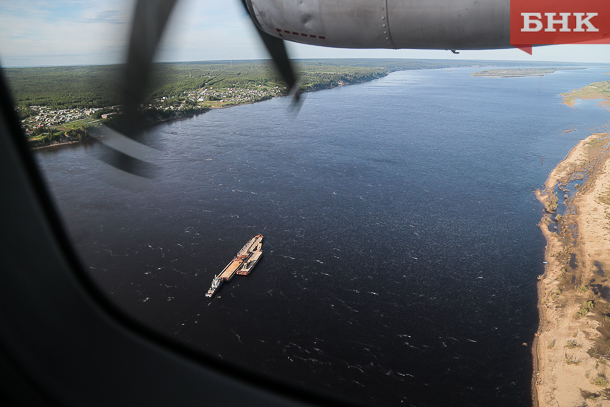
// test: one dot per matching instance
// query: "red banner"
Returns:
(543, 22)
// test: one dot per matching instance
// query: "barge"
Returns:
(242, 263)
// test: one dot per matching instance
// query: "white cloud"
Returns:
(201, 30)
(108, 16)
(62, 33)
(46, 32)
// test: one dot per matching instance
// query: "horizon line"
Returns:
(228, 61)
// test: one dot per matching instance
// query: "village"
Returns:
(43, 121)
(45, 116)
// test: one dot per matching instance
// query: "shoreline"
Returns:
(572, 344)
(63, 143)
(208, 109)
(88, 138)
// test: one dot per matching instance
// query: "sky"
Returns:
(83, 32)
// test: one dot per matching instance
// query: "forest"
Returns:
(70, 87)
(53, 102)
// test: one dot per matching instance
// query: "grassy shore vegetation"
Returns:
(551, 204)
(596, 90)
(522, 72)
(61, 99)
(585, 287)
(515, 72)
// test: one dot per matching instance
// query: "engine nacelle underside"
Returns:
(424, 24)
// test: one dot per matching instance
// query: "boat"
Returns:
(216, 283)
(242, 263)
(249, 264)
(256, 252)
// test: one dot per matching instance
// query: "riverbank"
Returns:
(514, 72)
(67, 137)
(572, 345)
(596, 90)
(155, 118)
(51, 101)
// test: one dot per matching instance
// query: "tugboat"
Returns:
(216, 283)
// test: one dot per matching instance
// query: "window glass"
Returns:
(400, 244)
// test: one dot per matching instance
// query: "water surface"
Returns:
(401, 246)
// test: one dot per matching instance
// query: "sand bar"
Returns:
(572, 346)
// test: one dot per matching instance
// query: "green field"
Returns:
(80, 123)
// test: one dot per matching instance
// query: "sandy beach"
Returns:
(572, 346)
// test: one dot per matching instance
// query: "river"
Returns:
(401, 246)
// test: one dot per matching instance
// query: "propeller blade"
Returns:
(120, 147)
(276, 48)
(149, 21)
(150, 18)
